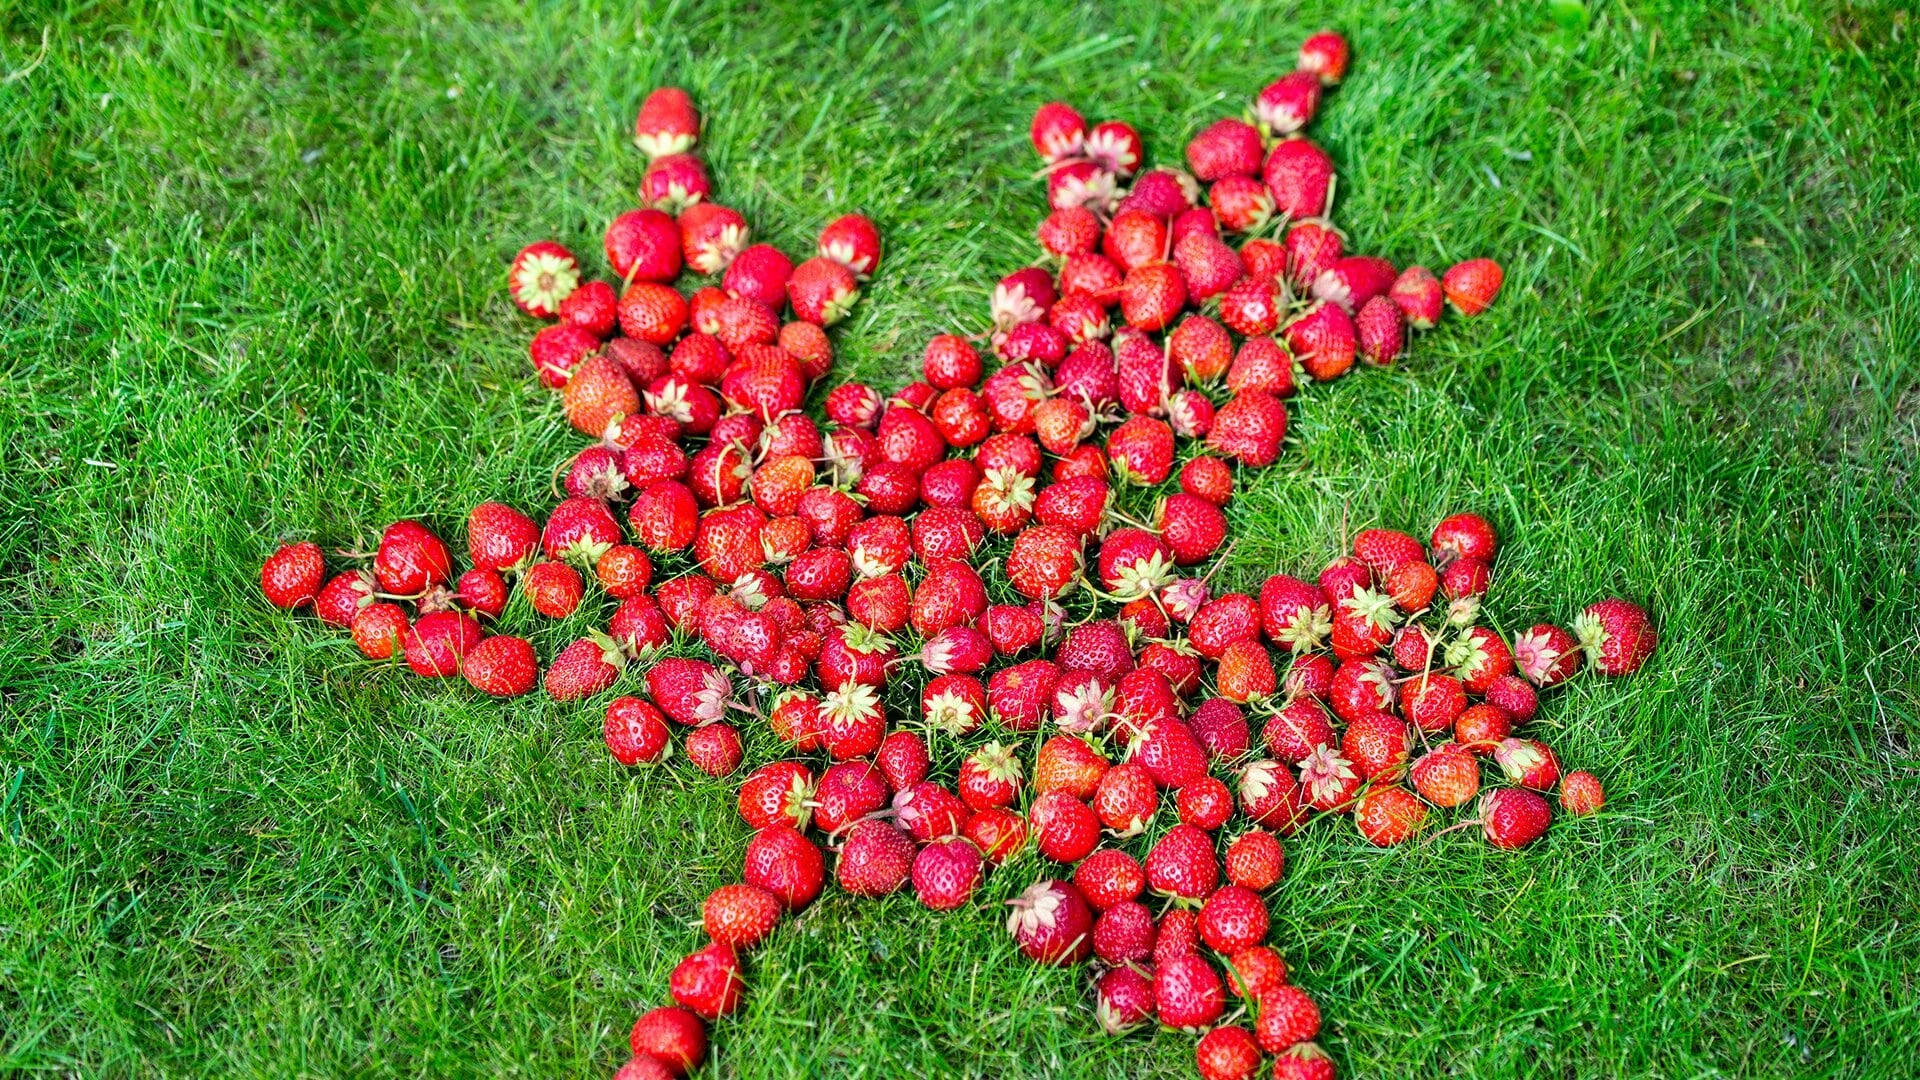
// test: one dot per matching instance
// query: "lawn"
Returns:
(253, 264)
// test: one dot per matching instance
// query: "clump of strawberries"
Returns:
(976, 610)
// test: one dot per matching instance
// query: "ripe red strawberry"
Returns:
(556, 349)
(1022, 297)
(1464, 536)
(635, 732)
(501, 538)
(822, 291)
(1361, 688)
(1011, 395)
(955, 704)
(1110, 878)
(950, 361)
(665, 516)
(670, 1036)
(1135, 238)
(1163, 192)
(708, 982)
(876, 859)
(1073, 231)
(1252, 306)
(584, 668)
(644, 245)
(1088, 373)
(1242, 203)
(1325, 54)
(342, 598)
(292, 575)
(379, 629)
(1262, 364)
(1389, 815)
(542, 276)
(439, 642)
(990, 776)
(1514, 817)
(1255, 862)
(1058, 131)
(1418, 295)
(1220, 726)
(740, 916)
(1294, 613)
(1377, 745)
(1204, 803)
(1270, 798)
(1227, 147)
(1311, 676)
(1546, 655)
(852, 721)
(1581, 794)
(998, 833)
(1528, 763)
(1190, 413)
(667, 123)
(1287, 104)
(1324, 340)
(1303, 1061)
(1068, 764)
(1233, 918)
(1482, 727)
(1208, 478)
(1124, 932)
(411, 559)
(1187, 993)
(1044, 563)
(1152, 295)
(882, 604)
(1287, 1017)
(1378, 336)
(1209, 266)
(1051, 923)
(817, 574)
(1616, 636)
(1295, 730)
(786, 864)
(1115, 146)
(652, 312)
(1447, 776)
(1200, 349)
(1472, 285)
(1353, 280)
(1227, 1053)
(624, 571)
(1222, 621)
(1065, 829)
(847, 792)
(852, 241)
(961, 417)
(1183, 863)
(810, 348)
(1245, 673)
(501, 666)
(946, 872)
(1300, 176)
(1019, 696)
(1329, 780)
(1250, 428)
(711, 236)
(1123, 1000)
(674, 182)
(1432, 701)
(1126, 800)
(594, 307)
(777, 794)
(1078, 506)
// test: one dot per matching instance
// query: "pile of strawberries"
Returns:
(1002, 572)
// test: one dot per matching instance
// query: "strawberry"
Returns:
(1328, 780)
(1222, 621)
(1192, 527)
(1250, 428)
(960, 416)
(1135, 238)
(1177, 934)
(1058, 131)
(501, 538)
(1183, 864)
(1528, 763)
(1123, 1000)
(667, 123)
(1134, 563)
(1245, 673)
(598, 472)
(740, 916)
(853, 241)
(1080, 317)
(1200, 349)
(1446, 776)
(635, 732)
(1187, 993)
(903, 759)
(1068, 764)
(1547, 655)
(1022, 297)
(1362, 687)
(542, 276)
(1233, 918)
(1300, 176)
(950, 362)
(1478, 657)
(1265, 258)
(584, 668)
(1083, 460)
(822, 291)
(876, 859)
(1303, 1061)
(1418, 295)
(1051, 924)
(1124, 931)
(1190, 414)
(1227, 1053)
(1325, 55)
(711, 236)
(411, 559)
(1353, 280)
(501, 666)
(1294, 614)
(438, 643)
(1288, 103)
(1126, 800)
(593, 307)
(674, 182)
(955, 704)
(1227, 147)
(292, 575)
(1287, 1016)
(786, 864)
(777, 794)
(1483, 727)
(1164, 193)
(1152, 295)
(1111, 878)
(690, 692)
(556, 349)
(342, 598)
(1432, 701)
(1044, 563)
(1242, 203)
(1091, 274)
(1377, 747)
(644, 245)
(1115, 146)
(1472, 285)
(1073, 231)
(882, 604)
(1310, 676)
(852, 721)
(554, 589)
(1065, 829)
(847, 792)
(1295, 730)
(1514, 817)
(810, 348)
(708, 982)
(998, 833)
(1616, 636)
(1378, 336)
(652, 312)
(779, 482)
(727, 543)
(1019, 696)
(1220, 726)
(1255, 862)
(1389, 815)
(1099, 646)
(1324, 340)
(1198, 220)
(1251, 306)
(671, 1036)
(665, 516)
(379, 629)
(946, 872)
(1270, 798)
(1088, 374)
(1262, 364)
(1209, 266)
(1208, 478)
(1581, 794)
(1205, 803)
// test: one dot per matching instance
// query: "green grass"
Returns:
(251, 266)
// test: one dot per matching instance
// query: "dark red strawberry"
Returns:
(292, 575)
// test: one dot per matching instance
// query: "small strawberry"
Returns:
(1378, 336)
(1270, 798)
(1190, 413)
(1045, 562)
(1324, 340)
(501, 666)
(1483, 727)
(1514, 817)
(1227, 1053)
(1310, 676)
(542, 276)
(1377, 745)
(411, 559)
(1446, 776)
(1295, 730)
(1019, 696)
(711, 236)
(1209, 266)
(1051, 923)
(1300, 176)
(777, 794)
(1581, 794)
(822, 291)
(644, 245)
(292, 575)
(1384, 549)
(1110, 878)
(876, 859)
(1353, 280)
(1288, 103)
(1528, 763)
(1252, 306)
(1329, 780)
(343, 597)
(1418, 295)
(852, 721)
(998, 833)
(1022, 297)
(635, 732)
(672, 1036)
(1432, 701)
(594, 307)
(1152, 295)
(1163, 192)
(852, 241)
(1616, 636)
(1389, 815)
(1115, 146)
(379, 629)
(652, 312)
(1254, 861)
(1546, 655)
(1233, 918)
(1183, 864)
(1294, 614)
(1262, 364)
(1250, 428)
(1242, 203)
(555, 350)
(740, 916)
(1287, 1017)
(1058, 131)
(667, 123)
(786, 864)
(674, 182)
(1209, 478)
(1245, 673)
(1065, 829)
(1123, 1000)
(1073, 231)
(1124, 931)
(584, 668)
(1303, 1061)
(1472, 285)
(1227, 147)
(946, 872)
(1126, 800)
(1187, 993)
(708, 982)
(810, 348)
(1135, 238)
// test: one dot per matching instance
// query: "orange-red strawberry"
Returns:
(1256, 970)
(1377, 746)
(1325, 54)
(1255, 861)
(1245, 673)
(1432, 701)
(1135, 238)
(740, 916)
(652, 312)
(777, 794)
(598, 393)
(1250, 428)
(1471, 286)
(1068, 764)
(1483, 727)
(1227, 1053)
(1152, 295)
(379, 629)
(1581, 794)
(1073, 231)
(1446, 776)
(1262, 364)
